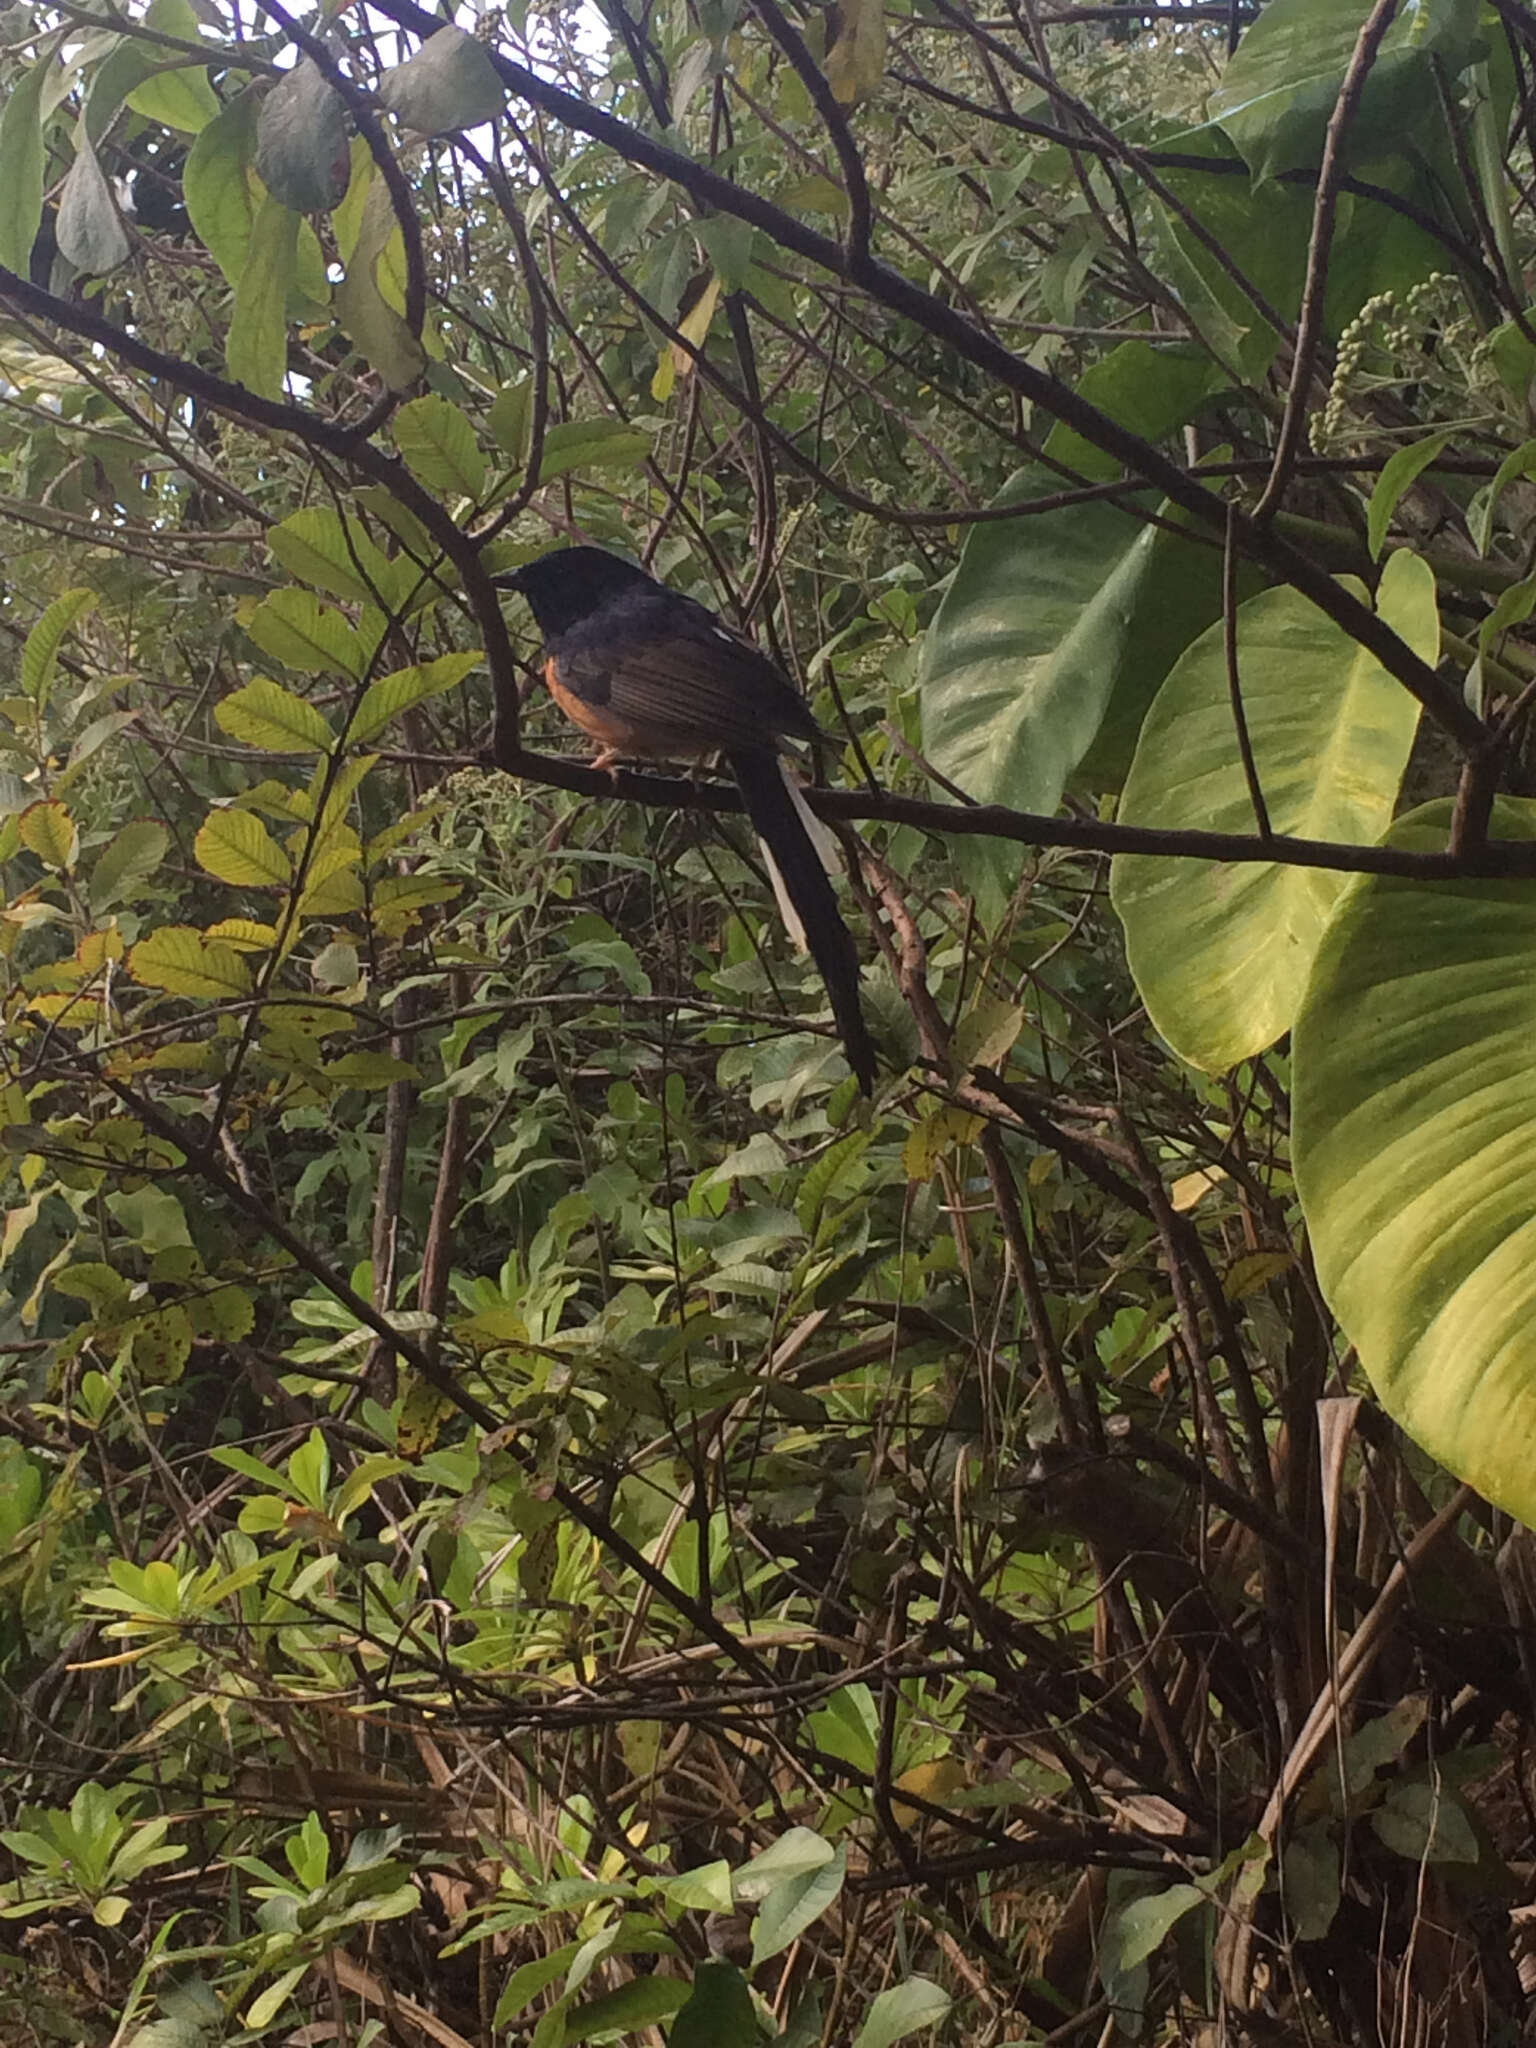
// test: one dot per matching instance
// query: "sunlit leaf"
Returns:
(235, 847)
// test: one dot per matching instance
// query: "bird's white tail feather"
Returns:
(824, 843)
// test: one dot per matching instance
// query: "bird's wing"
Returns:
(699, 690)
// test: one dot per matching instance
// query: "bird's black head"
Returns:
(563, 587)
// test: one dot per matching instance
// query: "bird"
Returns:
(653, 675)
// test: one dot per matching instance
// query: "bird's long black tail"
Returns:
(774, 808)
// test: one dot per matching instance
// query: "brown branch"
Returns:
(1497, 859)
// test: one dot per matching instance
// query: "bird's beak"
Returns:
(512, 580)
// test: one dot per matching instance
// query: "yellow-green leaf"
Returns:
(392, 694)
(936, 1137)
(438, 444)
(183, 962)
(235, 847)
(256, 346)
(49, 831)
(317, 546)
(295, 628)
(857, 58)
(40, 656)
(368, 300)
(263, 714)
(370, 1070)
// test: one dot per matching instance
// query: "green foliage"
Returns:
(528, 1508)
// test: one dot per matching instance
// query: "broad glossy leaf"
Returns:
(1149, 388)
(1050, 644)
(1415, 1151)
(1221, 953)
(1279, 89)
(1375, 248)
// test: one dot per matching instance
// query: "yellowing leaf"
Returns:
(162, 1344)
(370, 1070)
(184, 962)
(675, 360)
(263, 714)
(935, 1138)
(985, 1033)
(1254, 1270)
(423, 1411)
(856, 60)
(48, 830)
(97, 948)
(936, 1782)
(1191, 1188)
(235, 847)
(694, 325)
(227, 1313)
(337, 895)
(245, 934)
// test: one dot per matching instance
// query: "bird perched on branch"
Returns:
(651, 674)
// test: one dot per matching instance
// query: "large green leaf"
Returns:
(719, 2012)
(1277, 94)
(1150, 388)
(1415, 1151)
(1221, 954)
(1049, 645)
(1375, 249)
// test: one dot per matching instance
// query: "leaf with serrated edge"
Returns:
(263, 714)
(235, 847)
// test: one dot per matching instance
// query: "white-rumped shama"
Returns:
(651, 674)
